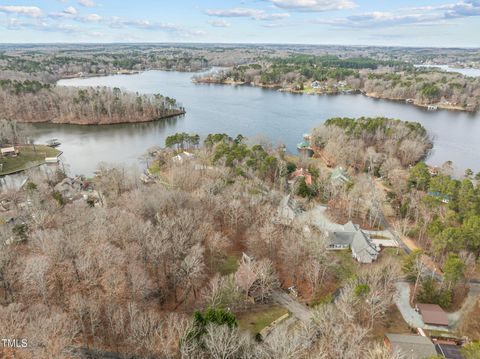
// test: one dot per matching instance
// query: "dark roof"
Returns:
(449, 351)
(342, 238)
(432, 314)
(415, 346)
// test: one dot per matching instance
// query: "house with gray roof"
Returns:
(410, 346)
(359, 242)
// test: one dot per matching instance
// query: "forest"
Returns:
(394, 80)
(142, 269)
(32, 101)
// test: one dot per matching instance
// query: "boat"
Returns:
(53, 143)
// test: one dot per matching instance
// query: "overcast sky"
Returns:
(350, 22)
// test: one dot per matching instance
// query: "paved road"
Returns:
(297, 309)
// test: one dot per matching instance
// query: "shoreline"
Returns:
(29, 165)
(442, 106)
(170, 115)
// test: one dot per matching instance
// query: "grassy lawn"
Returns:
(256, 320)
(395, 253)
(347, 266)
(28, 157)
(154, 168)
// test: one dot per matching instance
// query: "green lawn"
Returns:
(255, 321)
(28, 157)
(346, 266)
(154, 168)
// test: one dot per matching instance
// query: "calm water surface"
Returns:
(247, 110)
(470, 72)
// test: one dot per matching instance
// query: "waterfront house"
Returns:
(443, 198)
(410, 346)
(183, 157)
(363, 249)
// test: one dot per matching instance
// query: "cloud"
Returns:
(378, 18)
(71, 13)
(87, 3)
(16, 24)
(92, 18)
(313, 5)
(219, 23)
(174, 29)
(253, 14)
(30, 11)
(70, 10)
(425, 15)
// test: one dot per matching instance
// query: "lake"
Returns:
(470, 72)
(280, 117)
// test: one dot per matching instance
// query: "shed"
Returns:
(9, 151)
(410, 346)
(432, 314)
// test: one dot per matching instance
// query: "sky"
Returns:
(447, 23)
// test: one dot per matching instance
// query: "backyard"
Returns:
(255, 320)
(28, 157)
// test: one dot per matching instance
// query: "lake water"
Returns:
(470, 72)
(281, 117)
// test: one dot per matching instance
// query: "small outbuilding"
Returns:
(432, 314)
(410, 346)
(9, 151)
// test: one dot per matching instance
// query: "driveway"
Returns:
(414, 319)
(402, 300)
(297, 309)
(317, 217)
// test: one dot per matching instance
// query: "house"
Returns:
(433, 171)
(9, 152)
(288, 208)
(432, 314)
(71, 188)
(410, 346)
(301, 173)
(339, 176)
(443, 198)
(362, 247)
(183, 157)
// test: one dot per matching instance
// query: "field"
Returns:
(29, 156)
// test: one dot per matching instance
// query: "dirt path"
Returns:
(297, 309)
